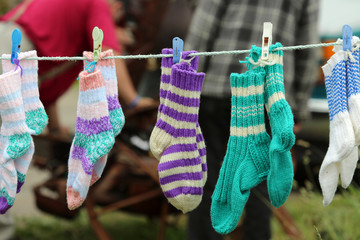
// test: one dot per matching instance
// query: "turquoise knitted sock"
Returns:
(281, 173)
(13, 116)
(246, 162)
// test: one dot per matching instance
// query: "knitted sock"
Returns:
(22, 165)
(8, 178)
(36, 118)
(349, 164)
(117, 118)
(246, 162)
(13, 116)
(281, 172)
(180, 168)
(155, 142)
(93, 136)
(341, 139)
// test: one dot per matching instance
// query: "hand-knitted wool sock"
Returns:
(8, 178)
(93, 136)
(180, 168)
(349, 164)
(246, 162)
(117, 118)
(13, 116)
(22, 165)
(155, 143)
(281, 174)
(341, 139)
(36, 118)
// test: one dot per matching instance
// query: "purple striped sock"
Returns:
(180, 168)
(93, 139)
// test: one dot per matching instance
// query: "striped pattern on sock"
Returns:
(117, 118)
(353, 91)
(166, 65)
(8, 178)
(36, 117)
(246, 162)
(93, 136)
(180, 168)
(341, 139)
(13, 116)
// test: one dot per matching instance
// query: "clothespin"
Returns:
(16, 40)
(98, 37)
(347, 36)
(178, 45)
(266, 40)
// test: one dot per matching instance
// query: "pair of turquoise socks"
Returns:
(251, 155)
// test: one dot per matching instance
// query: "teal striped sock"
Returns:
(246, 162)
(281, 173)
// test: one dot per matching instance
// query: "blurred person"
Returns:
(64, 28)
(219, 25)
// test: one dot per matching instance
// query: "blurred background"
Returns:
(147, 27)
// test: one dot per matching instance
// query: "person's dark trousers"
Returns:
(214, 120)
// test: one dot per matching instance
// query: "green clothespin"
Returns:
(98, 37)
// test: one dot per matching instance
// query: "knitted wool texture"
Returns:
(117, 118)
(342, 138)
(246, 162)
(13, 116)
(353, 91)
(15, 139)
(180, 168)
(280, 178)
(156, 143)
(8, 178)
(36, 117)
(94, 136)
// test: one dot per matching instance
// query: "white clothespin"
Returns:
(266, 40)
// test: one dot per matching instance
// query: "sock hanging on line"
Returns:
(180, 168)
(349, 164)
(8, 178)
(117, 118)
(341, 139)
(246, 162)
(93, 139)
(156, 144)
(281, 174)
(36, 117)
(13, 116)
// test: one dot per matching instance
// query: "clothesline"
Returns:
(214, 53)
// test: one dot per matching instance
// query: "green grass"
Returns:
(340, 220)
(119, 226)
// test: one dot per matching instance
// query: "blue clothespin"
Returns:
(347, 36)
(178, 45)
(16, 40)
